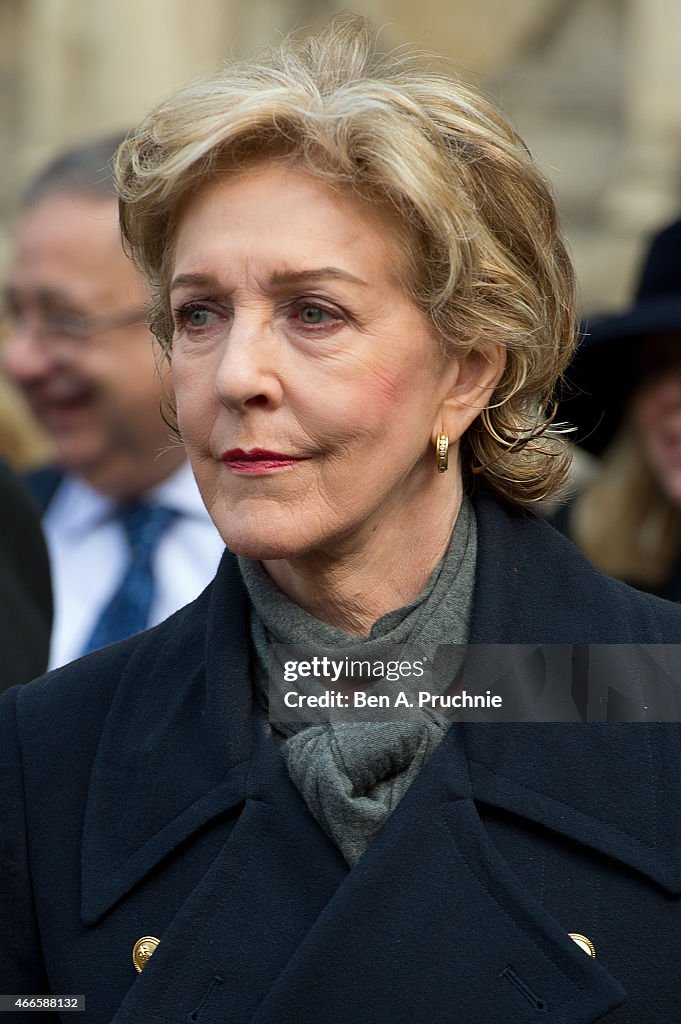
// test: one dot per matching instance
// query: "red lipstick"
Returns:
(257, 460)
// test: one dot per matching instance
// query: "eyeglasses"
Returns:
(70, 327)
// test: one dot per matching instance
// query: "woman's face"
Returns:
(308, 385)
(656, 411)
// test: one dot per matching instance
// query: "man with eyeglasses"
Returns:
(128, 536)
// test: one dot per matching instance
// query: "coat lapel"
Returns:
(609, 786)
(431, 925)
(164, 770)
(176, 748)
(256, 903)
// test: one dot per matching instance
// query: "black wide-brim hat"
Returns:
(603, 375)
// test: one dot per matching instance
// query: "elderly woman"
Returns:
(362, 288)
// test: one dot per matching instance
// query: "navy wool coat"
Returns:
(25, 586)
(141, 796)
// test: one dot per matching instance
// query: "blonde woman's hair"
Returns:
(623, 522)
(485, 258)
(23, 442)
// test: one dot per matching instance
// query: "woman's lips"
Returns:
(257, 460)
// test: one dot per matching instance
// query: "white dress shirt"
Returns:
(89, 555)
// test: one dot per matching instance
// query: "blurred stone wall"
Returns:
(592, 85)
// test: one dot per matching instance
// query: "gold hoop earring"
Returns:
(442, 453)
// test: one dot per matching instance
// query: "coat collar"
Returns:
(613, 787)
(178, 746)
(534, 587)
(289, 934)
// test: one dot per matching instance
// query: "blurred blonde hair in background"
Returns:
(22, 442)
(623, 522)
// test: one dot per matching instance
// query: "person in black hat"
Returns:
(624, 397)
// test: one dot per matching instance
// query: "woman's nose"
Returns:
(248, 374)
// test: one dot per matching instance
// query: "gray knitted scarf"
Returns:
(352, 775)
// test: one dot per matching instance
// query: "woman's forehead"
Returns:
(290, 220)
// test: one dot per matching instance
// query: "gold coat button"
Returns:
(583, 943)
(142, 950)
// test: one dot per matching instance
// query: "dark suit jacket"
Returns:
(25, 589)
(43, 484)
(141, 795)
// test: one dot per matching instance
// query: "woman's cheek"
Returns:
(194, 399)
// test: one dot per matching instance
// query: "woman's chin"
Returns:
(262, 545)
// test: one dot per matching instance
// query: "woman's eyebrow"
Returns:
(208, 280)
(286, 277)
(279, 279)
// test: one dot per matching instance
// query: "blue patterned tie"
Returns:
(127, 612)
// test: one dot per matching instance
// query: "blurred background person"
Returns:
(25, 592)
(128, 536)
(625, 401)
(22, 441)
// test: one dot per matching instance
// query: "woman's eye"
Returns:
(198, 317)
(195, 317)
(315, 315)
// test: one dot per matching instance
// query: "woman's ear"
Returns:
(477, 375)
